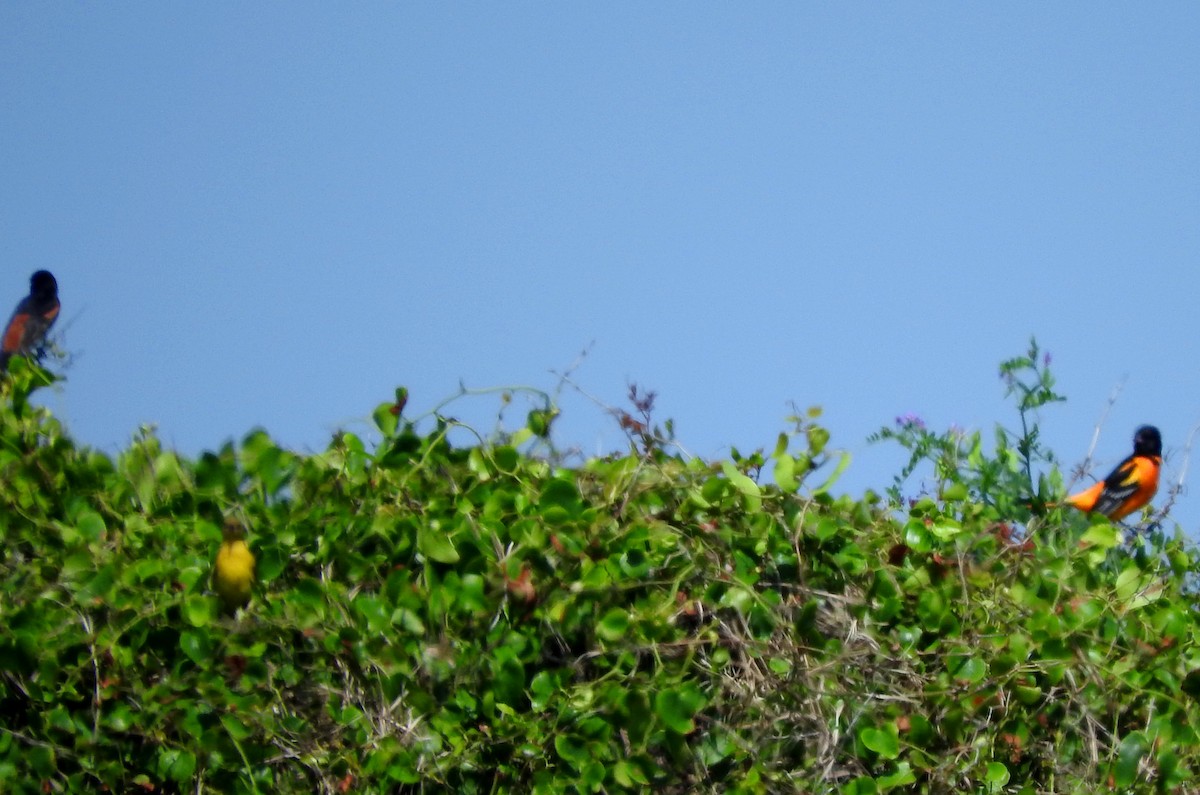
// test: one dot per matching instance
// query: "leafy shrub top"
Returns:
(438, 618)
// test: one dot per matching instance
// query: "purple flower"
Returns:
(1046, 359)
(910, 421)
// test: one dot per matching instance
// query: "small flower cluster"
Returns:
(910, 421)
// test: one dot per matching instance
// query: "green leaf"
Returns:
(539, 420)
(785, 474)
(506, 458)
(199, 610)
(572, 750)
(676, 707)
(740, 599)
(91, 526)
(435, 545)
(884, 742)
(1127, 582)
(1103, 536)
(614, 625)
(385, 420)
(780, 666)
(781, 445)
(916, 535)
(520, 436)
(237, 728)
(629, 775)
(508, 675)
(592, 776)
(946, 529)
(838, 469)
(1027, 694)
(997, 776)
(826, 528)
(818, 437)
(541, 689)
(561, 493)
(1129, 756)
(176, 765)
(99, 585)
(969, 669)
(901, 777)
(931, 608)
(956, 492)
(1168, 766)
(863, 785)
(120, 718)
(750, 491)
(272, 561)
(196, 646)
(43, 760)
(920, 730)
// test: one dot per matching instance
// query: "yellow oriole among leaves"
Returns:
(1131, 485)
(233, 574)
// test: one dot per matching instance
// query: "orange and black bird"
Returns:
(1131, 484)
(33, 317)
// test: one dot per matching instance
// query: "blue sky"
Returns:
(272, 214)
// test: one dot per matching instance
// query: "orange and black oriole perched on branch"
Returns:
(233, 574)
(33, 317)
(1129, 486)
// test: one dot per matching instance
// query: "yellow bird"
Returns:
(233, 574)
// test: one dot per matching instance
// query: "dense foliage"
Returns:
(477, 619)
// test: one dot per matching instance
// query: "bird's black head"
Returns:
(43, 285)
(1147, 441)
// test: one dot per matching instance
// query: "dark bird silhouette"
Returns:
(33, 317)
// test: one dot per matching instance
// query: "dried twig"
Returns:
(1083, 468)
(1176, 487)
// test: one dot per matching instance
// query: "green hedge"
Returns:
(480, 619)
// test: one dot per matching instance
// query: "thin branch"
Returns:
(464, 391)
(617, 413)
(1083, 468)
(565, 375)
(1187, 453)
(1177, 487)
